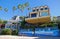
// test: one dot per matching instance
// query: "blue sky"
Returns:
(54, 6)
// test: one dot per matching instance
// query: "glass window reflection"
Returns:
(44, 13)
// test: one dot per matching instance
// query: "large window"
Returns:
(33, 15)
(8, 26)
(37, 9)
(46, 8)
(41, 9)
(34, 10)
(44, 13)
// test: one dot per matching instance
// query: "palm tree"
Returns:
(4, 22)
(23, 21)
(6, 9)
(54, 19)
(0, 7)
(29, 8)
(26, 4)
(33, 29)
(14, 8)
(1, 21)
(21, 7)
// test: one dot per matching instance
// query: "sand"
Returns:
(16, 37)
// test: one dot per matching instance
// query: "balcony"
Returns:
(42, 19)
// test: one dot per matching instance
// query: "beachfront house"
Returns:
(39, 15)
(14, 23)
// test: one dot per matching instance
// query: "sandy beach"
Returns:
(16, 37)
(26, 37)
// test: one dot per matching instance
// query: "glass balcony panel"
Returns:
(44, 13)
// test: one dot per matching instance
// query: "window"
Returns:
(33, 15)
(33, 10)
(8, 26)
(46, 8)
(41, 9)
(44, 13)
(37, 9)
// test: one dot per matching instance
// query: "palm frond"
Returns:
(0, 8)
(14, 8)
(29, 8)
(19, 6)
(6, 9)
(26, 4)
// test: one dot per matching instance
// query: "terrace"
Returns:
(42, 15)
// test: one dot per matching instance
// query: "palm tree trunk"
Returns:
(33, 31)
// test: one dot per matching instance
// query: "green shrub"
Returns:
(15, 32)
(6, 32)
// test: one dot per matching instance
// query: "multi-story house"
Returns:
(39, 15)
(13, 23)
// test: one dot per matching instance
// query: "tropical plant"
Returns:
(52, 24)
(0, 7)
(6, 9)
(54, 19)
(14, 8)
(29, 8)
(6, 32)
(4, 22)
(43, 25)
(21, 17)
(21, 7)
(33, 29)
(15, 32)
(23, 22)
(1, 21)
(26, 4)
